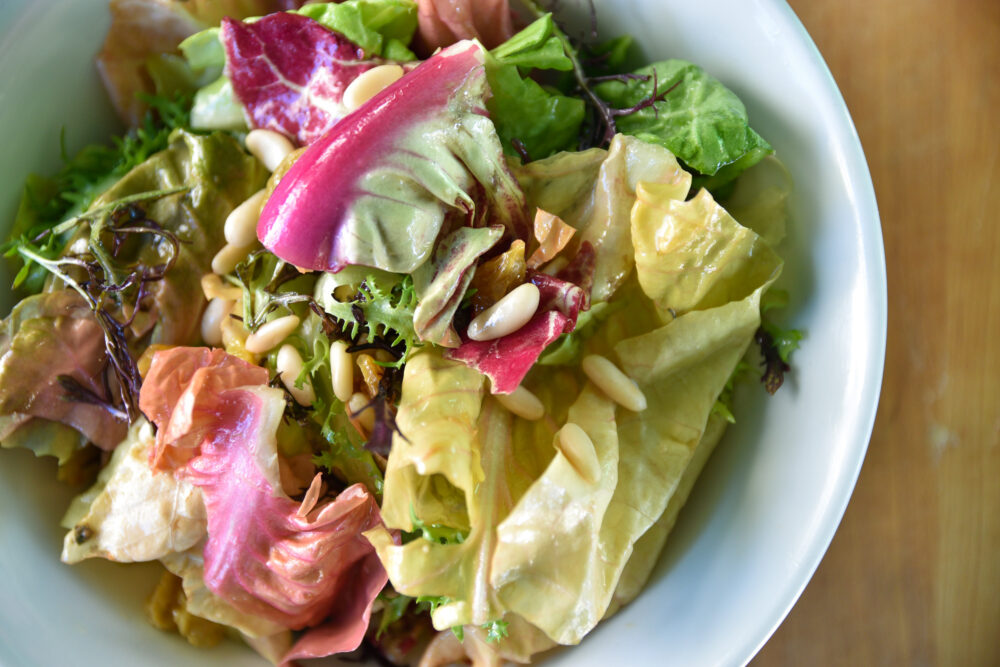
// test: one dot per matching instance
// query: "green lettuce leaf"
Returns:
(700, 120)
(542, 120)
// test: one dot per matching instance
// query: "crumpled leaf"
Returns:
(289, 73)
(692, 254)
(418, 154)
(600, 209)
(142, 29)
(134, 513)
(299, 565)
(46, 336)
(442, 282)
(759, 199)
(267, 555)
(506, 360)
(180, 394)
(444, 22)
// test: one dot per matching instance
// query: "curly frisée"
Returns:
(390, 329)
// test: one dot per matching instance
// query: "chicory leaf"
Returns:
(506, 360)
(289, 73)
(377, 189)
(700, 120)
(441, 283)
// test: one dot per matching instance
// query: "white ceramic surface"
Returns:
(769, 501)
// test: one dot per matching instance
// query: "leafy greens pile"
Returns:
(414, 509)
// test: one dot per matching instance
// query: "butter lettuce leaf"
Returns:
(594, 192)
(549, 533)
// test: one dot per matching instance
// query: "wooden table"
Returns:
(913, 574)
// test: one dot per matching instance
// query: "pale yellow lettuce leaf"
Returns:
(133, 513)
(759, 199)
(597, 198)
(545, 544)
(692, 255)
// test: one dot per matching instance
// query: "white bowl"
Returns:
(766, 507)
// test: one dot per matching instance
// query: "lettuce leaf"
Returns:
(48, 336)
(179, 395)
(594, 192)
(548, 535)
(134, 513)
(700, 120)
(380, 27)
(692, 255)
(299, 565)
(530, 118)
(379, 187)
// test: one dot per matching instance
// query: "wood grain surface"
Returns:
(913, 574)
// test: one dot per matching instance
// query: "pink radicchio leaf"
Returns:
(261, 556)
(380, 186)
(505, 361)
(290, 72)
(179, 395)
(580, 270)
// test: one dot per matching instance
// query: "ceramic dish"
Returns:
(766, 507)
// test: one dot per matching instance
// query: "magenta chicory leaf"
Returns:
(505, 361)
(377, 189)
(299, 564)
(289, 72)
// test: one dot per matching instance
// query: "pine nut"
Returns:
(226, 259)
(522, 403)
(370, 84)
(341, 371)
(213, 287)
(578, 448)
(619, 387)
(211, 320)
(289, 365)
(240, 228)
(270, 334)
(269, 147)
(507, 315)
(356, 411)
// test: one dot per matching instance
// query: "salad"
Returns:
(391, 327)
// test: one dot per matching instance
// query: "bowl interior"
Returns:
(770, 499)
